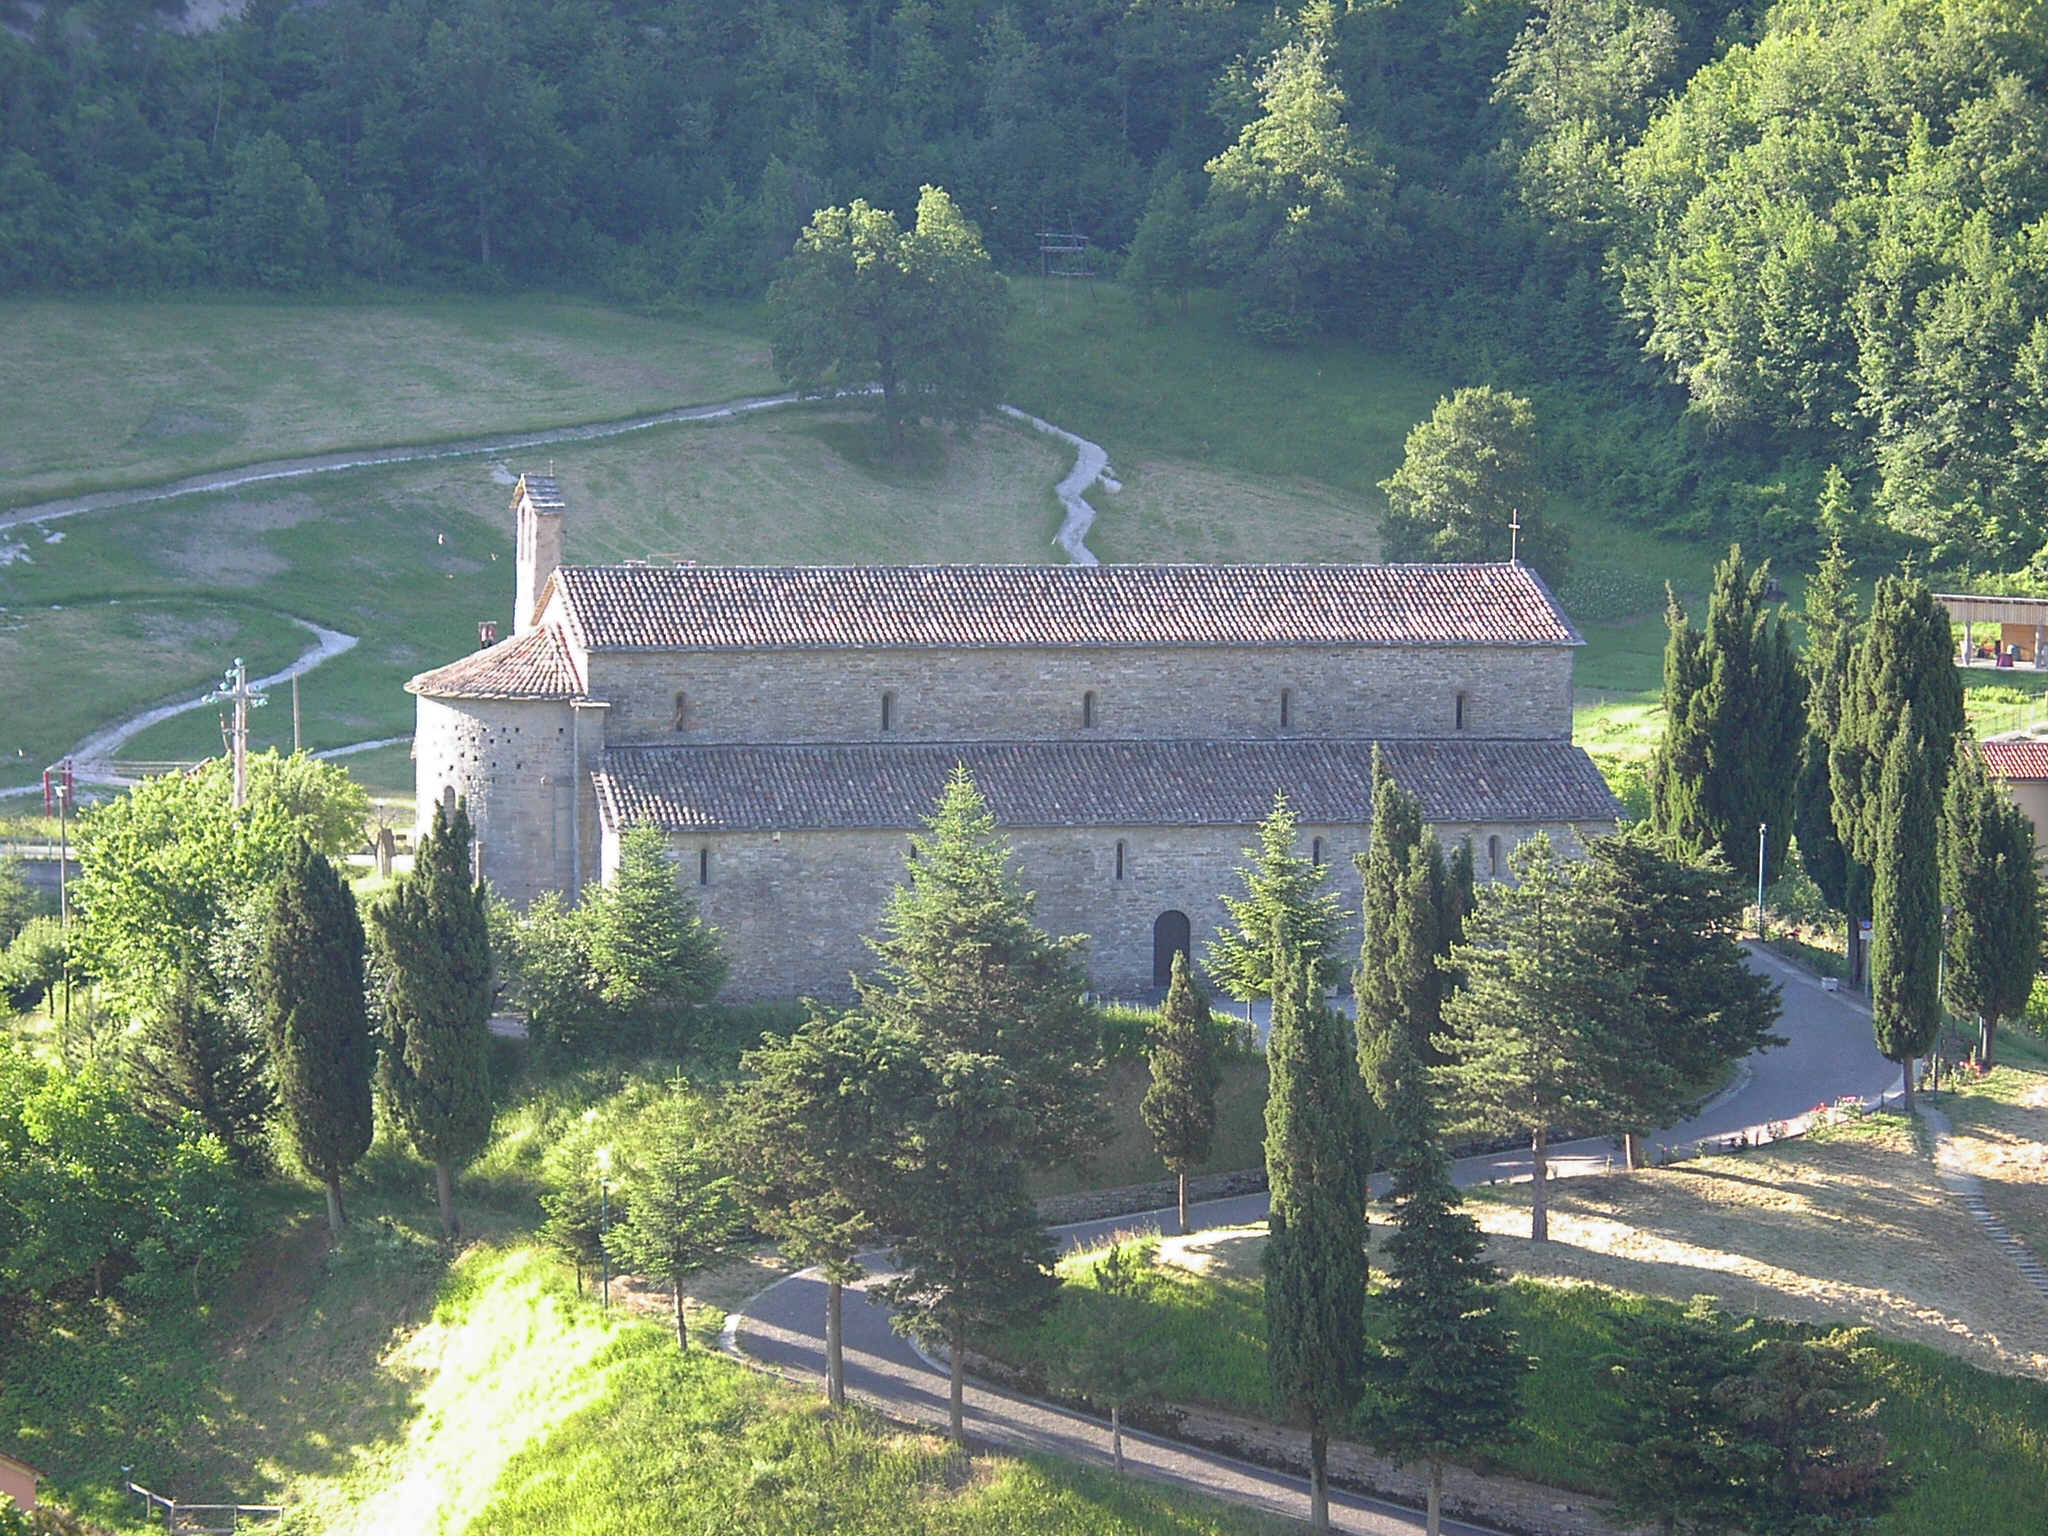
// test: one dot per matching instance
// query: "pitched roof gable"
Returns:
(535, 665)
(1101, 784)
(718, 608)
(2016, 760)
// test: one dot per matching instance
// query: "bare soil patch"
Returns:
(2001, 1136)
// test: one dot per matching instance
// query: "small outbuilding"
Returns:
(1997, 631)
(18, 1482)
(2020, 764)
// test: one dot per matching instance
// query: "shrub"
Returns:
(33, 963)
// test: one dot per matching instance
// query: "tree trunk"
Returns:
(1855, 954)
(1183, 1178)
(835, 1344)
(1987, 1039)
(444, 1187)
(956, 1407)
(1433, 1511)
(1318, 1479)
(337, 1218)
(1116, 1437)
(1632, 1150)
(1539, 1197)
(1906, 1077)
(675, 1296)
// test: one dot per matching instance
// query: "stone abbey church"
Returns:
(1128, 725)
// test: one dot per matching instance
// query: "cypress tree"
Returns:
(1397, 984)
(309, 979)
(1905, 943)
(435, 952)
(1446, 1377)
(1540, 1032)
(1286, 901)
(1830, 632)
(1992, 889)
(1180, 1103)
(1316, 1168)
(1733, 725)
(1903, 659)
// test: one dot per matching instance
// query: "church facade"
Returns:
(1129, 725)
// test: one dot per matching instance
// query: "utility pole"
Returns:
(235, 690)
(64, 881)
(1761, 827)
(295, 714)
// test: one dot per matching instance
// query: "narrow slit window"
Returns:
(1119, 858)
(703, 866)
(1088, 710)
(682, 711)
(1458, 713)
(1493, 855)
(1315, 852)
(1286, 708)
(888, 709)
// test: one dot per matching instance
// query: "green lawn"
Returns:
(113, 392)
(1977, 1442)
(410, 557)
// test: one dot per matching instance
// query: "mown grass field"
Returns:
(115, 392)
(1840, 1231)
(408, 558)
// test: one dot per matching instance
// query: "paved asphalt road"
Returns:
(1828, 1053)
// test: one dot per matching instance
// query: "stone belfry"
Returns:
(537, 507)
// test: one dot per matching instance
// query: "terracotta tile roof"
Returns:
(1103, 784)
(688, 607)
(2016, 759)
(535, 665)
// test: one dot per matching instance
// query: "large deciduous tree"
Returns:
(1536, 1035)
(1317, 1162)
(434, 950)
(920, 314)
(1733, 726)
(309, 976)
(1287, 901)
(1905, 903)
(1180, 1101)
(1297, 207)
(1992, 891)
(1468, 476)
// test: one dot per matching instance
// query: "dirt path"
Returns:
(1091, 467)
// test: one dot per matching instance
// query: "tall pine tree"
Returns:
(1538, 1036)
(1398, 984)
(1992, 890)
(309, 978)
(1317, 1161)
(1286, 901)
(681, 1216)
(435, 954)
(1180, 1102)
(190, 1054)
(1905, 941)
(1446, 1377)
(1733, 725)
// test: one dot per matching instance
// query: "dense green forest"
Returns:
(1722, 246)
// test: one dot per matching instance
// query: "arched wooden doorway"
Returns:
(1169, 938)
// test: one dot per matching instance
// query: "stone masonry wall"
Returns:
(512, 762)
(793, 908)
(1138, 693)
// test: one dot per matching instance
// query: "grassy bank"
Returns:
(1974, 1439)
(113, 392)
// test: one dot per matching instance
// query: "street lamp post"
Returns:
(1761, 828)
(604, 1258)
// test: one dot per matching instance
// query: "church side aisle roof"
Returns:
(1102, 784)
(719, 608)
(535, 665)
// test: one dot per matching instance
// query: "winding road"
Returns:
(1828, 1053)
